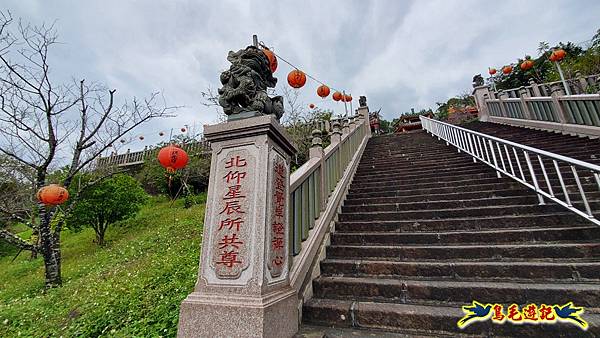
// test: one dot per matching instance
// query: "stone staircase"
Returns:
(424, 231)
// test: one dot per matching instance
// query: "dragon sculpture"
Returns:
(245, 85)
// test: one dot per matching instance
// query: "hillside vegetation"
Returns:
(132, 287)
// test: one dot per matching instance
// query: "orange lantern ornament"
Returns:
(347, 98)
(526, 65)
(492, 71)
(337, 96)
(272, 59)
(296, 78)
(141, 138)
(507, 70)
(172, 158)
(323, 91)
(52, 194)
(559, 54)
(311, 106)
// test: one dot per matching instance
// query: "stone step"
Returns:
(509, 185)
(389, 186)
(451, 198)
(425, 176)
(558, 219)
(467, 252)
(438, 320)
(475, 270)
(444, 204)
(507, 210)
(390, 290)
(534, 235)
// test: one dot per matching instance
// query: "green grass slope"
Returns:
(131, 288)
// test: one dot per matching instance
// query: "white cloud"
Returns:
(401, 54)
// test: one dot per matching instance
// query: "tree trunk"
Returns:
(50, 249)
(100, 239)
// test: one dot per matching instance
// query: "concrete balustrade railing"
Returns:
(138, 157)
(317, 190)
(570, 114)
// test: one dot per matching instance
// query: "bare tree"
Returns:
(45, 125)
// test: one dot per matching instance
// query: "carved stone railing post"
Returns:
(556, 92)
(345, 127)
(336, 134)
(480, 93)
(316, 151)
(352, 123)
(501, 97)
(524, 95)
(364, 112)
(243, 287)
(583, 84)
(535, 88)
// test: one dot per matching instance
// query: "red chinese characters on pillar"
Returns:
(277, 252)
(229, 250)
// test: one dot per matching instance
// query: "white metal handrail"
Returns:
(503, 156)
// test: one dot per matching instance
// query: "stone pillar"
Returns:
(479, 94)
(345, 127)
(316, 151)
(583, 84)
(364, 112)
(524, 95)
(243, 287)
(352, 123)
(336, 134)
(556, 92)
(535, 88)
(501, 97)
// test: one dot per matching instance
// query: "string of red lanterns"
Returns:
(297, 78)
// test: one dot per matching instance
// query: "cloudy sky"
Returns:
(400, 54)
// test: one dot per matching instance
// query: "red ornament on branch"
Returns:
(296, 78)
(52, 194)
(507, 70)
(347, 98)
(183, 130)
(272, 59)
(323, 91)
(337, 96)
(311, 106)
(492, 71)
(172, 158)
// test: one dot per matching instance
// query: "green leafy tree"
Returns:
(112, 200)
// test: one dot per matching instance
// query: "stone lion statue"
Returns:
(245, 84)
(477, 80)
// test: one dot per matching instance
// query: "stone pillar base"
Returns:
(273, 315)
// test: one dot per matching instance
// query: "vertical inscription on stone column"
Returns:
(231, 240)
(277, 227)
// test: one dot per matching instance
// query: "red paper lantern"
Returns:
(183, 130)
(323, 91)
(311, 106)
(492, 71)
(507, 70)
(526, 65)
(558, 54)
(52, 194)
(296, 78)
(347, 98)
(337, 96)
(172, 158)
(272, 59)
